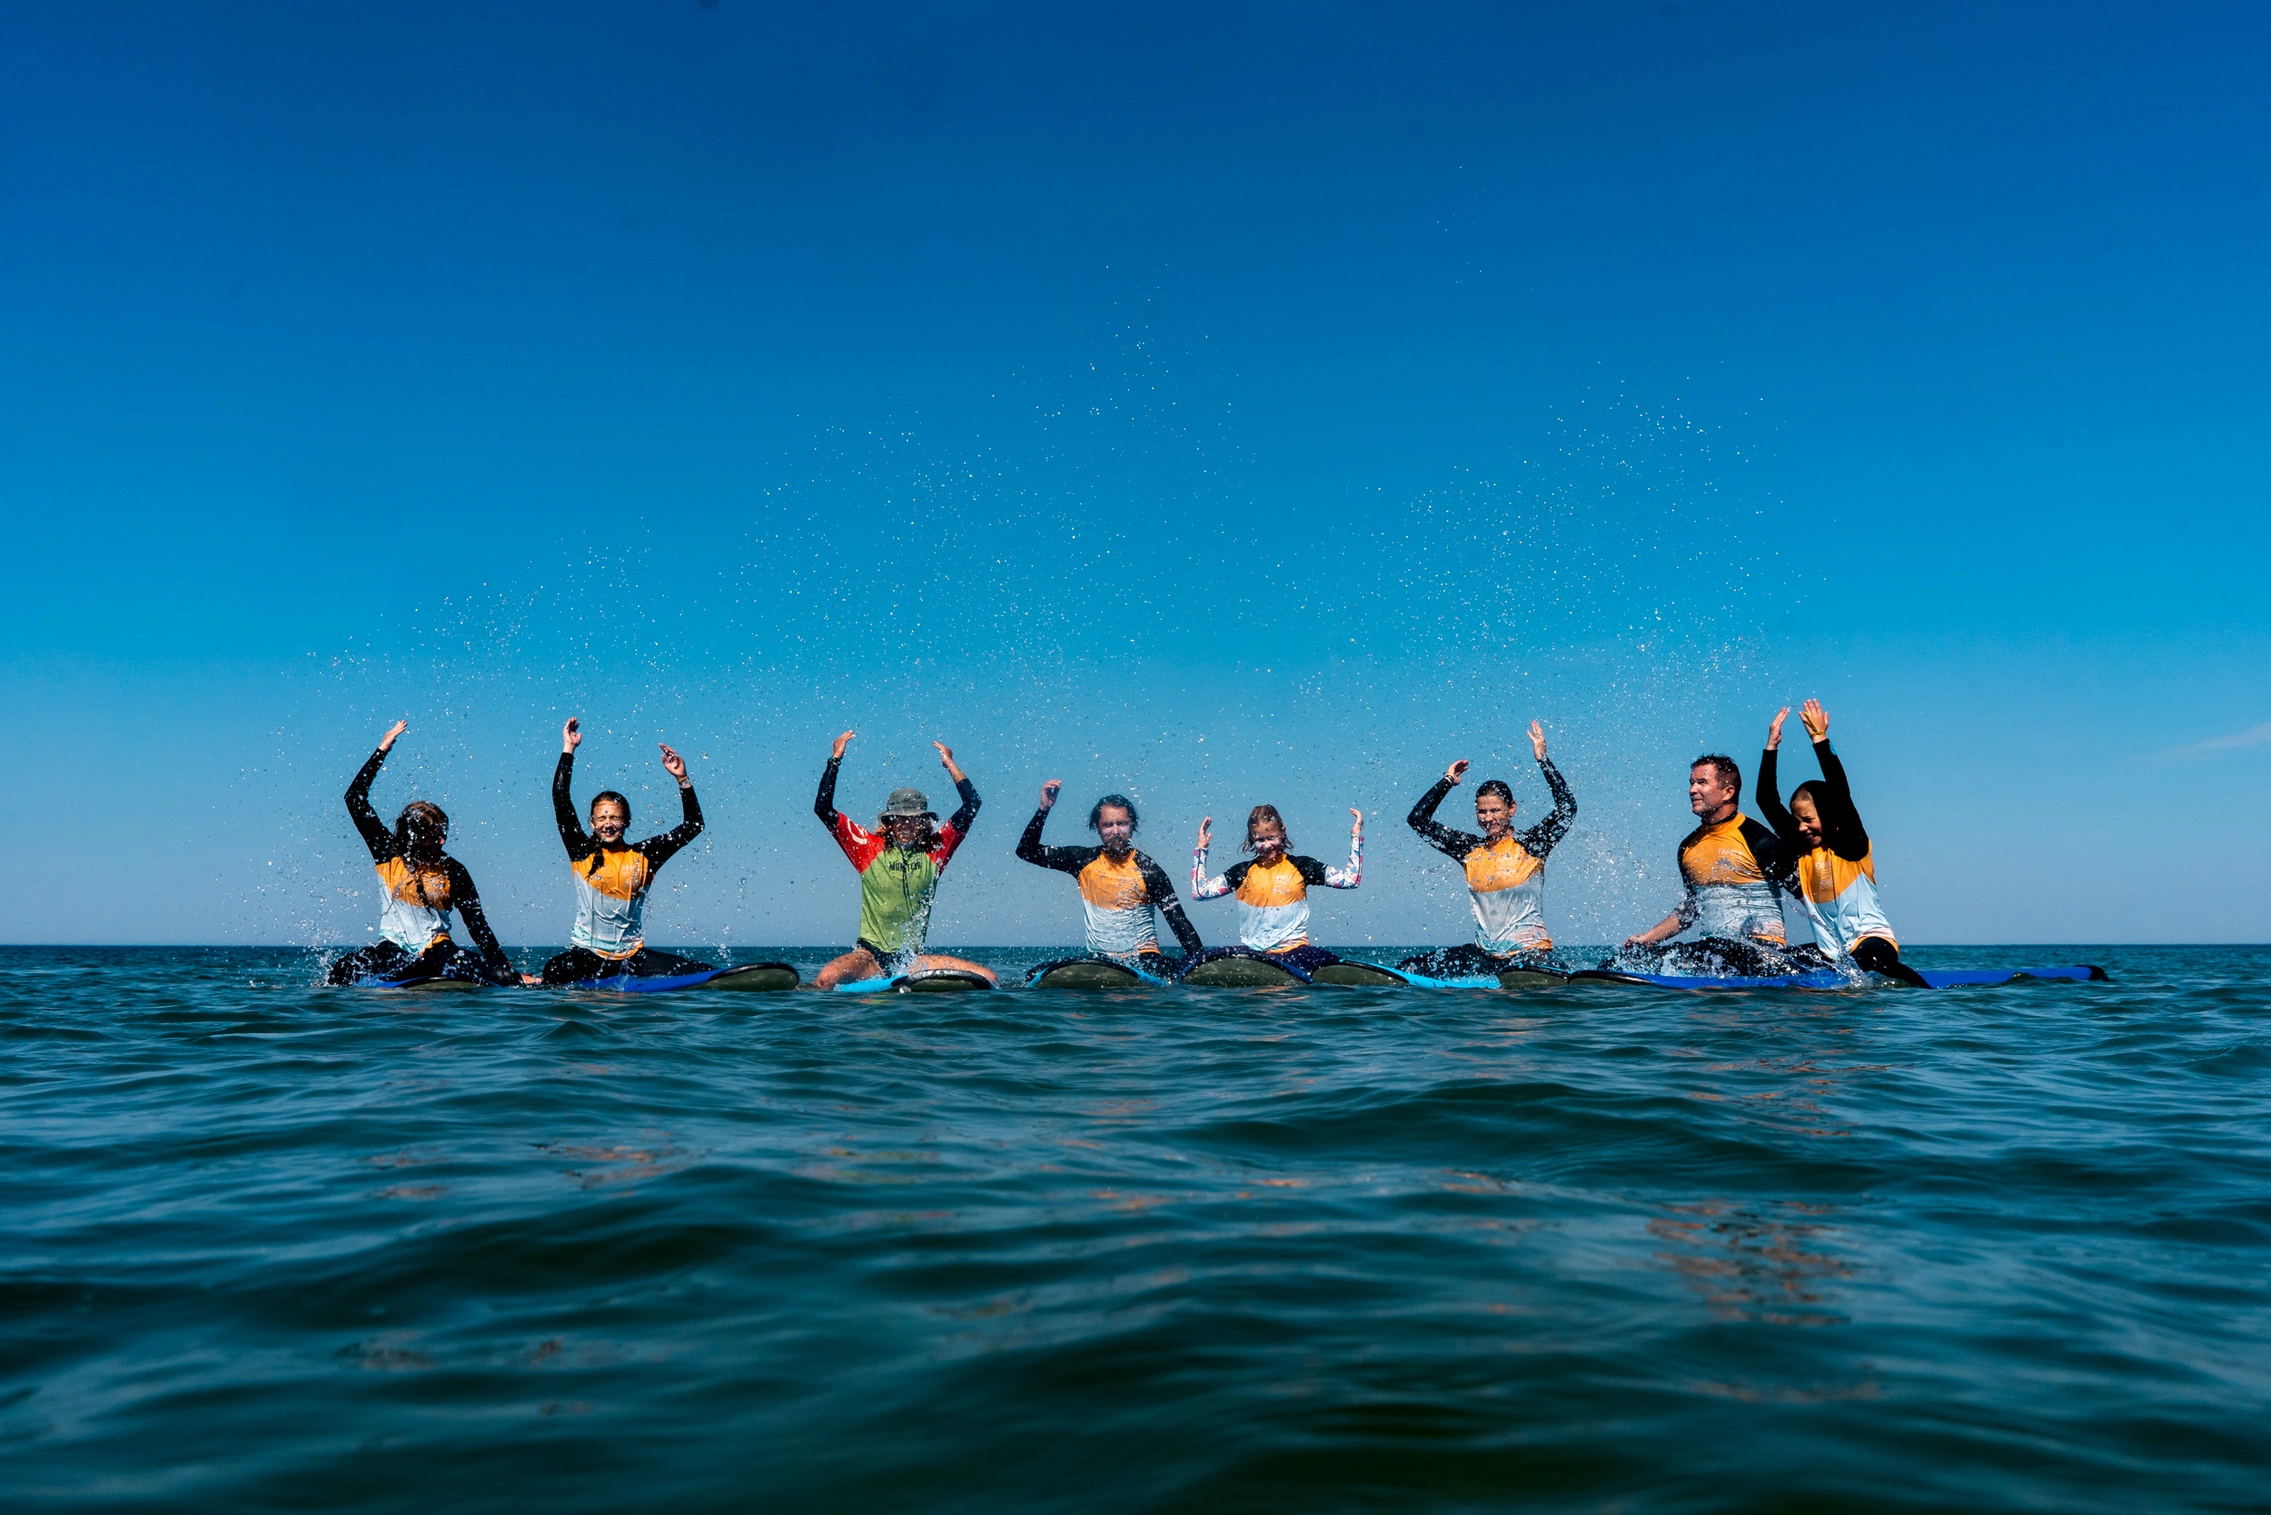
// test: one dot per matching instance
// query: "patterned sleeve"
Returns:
(1202, 887)
(1353, 875)
(1539, 839)
(1452, 844)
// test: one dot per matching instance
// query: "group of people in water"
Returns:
(1737, 870)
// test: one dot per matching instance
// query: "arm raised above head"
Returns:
(824, 802)
(659, 849)
(1768, 793)
(367, 824)
(1547, 834)
(1841, 822)
(564, 816)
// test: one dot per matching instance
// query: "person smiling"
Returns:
(1506, 869)
(612, 877)
(1273, 889)
(1736, 872)
(1836, 865)
(1119, 886)
(899, 872)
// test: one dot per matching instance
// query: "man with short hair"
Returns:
(1736, 871)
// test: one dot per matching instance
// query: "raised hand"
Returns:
(392, 732)
(672, 763)
(1049, 793)
(1456, 771)
(836, 753)
(1816, 719)
(946, 761)
(1206, 833)
(1774, 732)
(571, 735)
(1538, 740)
(1358, 828)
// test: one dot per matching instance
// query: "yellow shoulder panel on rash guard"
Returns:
(1720, 856)
(1844, 896)
(1279, 884)
(1114, 886)
(1825, 875)
(1505, 864)
(428, 888)
(620, 875)
(415, 913)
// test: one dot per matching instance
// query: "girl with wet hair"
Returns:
(612, 876)
(1836, 866)
(420, 885)
(1120, 887)
(1273, 890)
(1505, 870)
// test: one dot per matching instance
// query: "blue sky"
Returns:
(1226, 403)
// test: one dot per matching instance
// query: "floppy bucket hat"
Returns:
(907, 802)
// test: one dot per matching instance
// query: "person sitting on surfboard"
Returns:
(1736, 871)
(419, 885)
(1506, 870)
(612, 877)
(898, 872)
(1836, 867)
(1119, 886)
(1273, 889)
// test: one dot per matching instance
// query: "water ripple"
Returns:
(271, 1245)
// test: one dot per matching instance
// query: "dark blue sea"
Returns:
(268, 1246)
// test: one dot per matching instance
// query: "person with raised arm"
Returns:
(1505, 868)
(1120, 887)
(899, 872)
(1835, 864)
(1736, 872)
(420, 884)
(1273, 889)
(613, 877)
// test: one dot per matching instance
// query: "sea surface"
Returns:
(269, 1246)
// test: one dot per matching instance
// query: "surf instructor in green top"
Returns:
(898, 873)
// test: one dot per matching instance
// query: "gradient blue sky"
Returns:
(1224, 403)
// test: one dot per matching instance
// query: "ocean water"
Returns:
(269, 1246)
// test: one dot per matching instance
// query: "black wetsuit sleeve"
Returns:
(1452, 844)
(374, 832)
(660, 849)
(1170, 904)
(824, 803)
(1777, 861)
(467, 899)
(1841, 823)
(564, 809)
(961, 819)
(1312, 871)
(1540, 839)
(1063, 859)
(1769, 797)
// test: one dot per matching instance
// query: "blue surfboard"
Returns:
(748, 977)
(920, 981)
(1817, 981)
